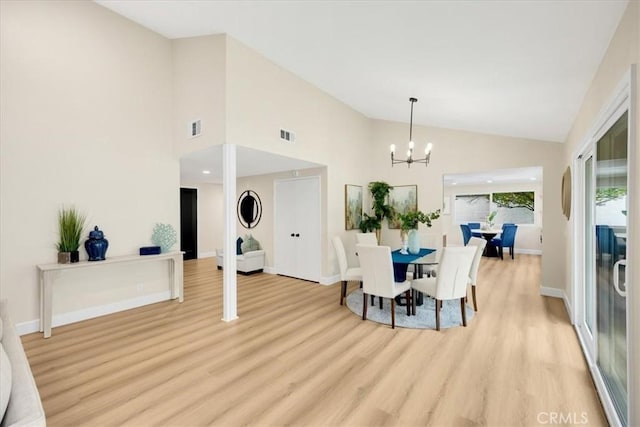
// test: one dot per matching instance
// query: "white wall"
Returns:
(527, 236)
(85, 106)
(210, 217)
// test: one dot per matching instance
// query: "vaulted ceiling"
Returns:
(514, 68)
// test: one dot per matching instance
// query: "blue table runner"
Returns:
(402, 261)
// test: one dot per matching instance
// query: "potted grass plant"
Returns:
(70, 228)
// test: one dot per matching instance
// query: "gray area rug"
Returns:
(425, 317)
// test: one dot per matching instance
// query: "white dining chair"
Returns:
(451, 281)
(366, 239)
(347, 273)
(377, 278)
(479, 243)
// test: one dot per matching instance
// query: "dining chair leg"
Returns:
(364, 306)
(473, 292)
(414, 297)
(511, 251)
(373, 300)
(393, 313)
(343, 291)
(380, 302)
(463, 310)
(407, 295)
(438, 302)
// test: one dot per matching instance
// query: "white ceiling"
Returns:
(515, 68)
(249, 162)
(494, 177)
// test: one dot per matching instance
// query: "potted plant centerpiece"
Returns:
(490, 218)
(379, 191)
(409, 228)
(70, 227)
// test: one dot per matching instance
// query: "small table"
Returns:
(489, 250)
(49, 272)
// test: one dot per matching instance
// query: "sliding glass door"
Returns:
(603, 323)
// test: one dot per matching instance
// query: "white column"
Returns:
(229, 284)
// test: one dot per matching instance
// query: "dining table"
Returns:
(401, 262)
(488, 235)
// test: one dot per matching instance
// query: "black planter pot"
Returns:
(74, 256)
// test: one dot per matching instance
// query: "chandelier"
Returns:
(410, 159)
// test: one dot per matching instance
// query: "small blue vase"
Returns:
(96, 245)
(414, 242)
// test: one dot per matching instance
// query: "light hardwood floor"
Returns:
(295, 356)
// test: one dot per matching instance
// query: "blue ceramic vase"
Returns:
(96, 245)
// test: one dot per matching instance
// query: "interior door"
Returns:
(297, 239)
(189, 223)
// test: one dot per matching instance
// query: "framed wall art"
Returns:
(352, 206)
(403, 199)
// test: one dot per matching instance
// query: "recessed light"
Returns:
(206, 172)
(454, 183)
(533, 178)
(489, 181)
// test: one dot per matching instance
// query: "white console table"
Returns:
(47, 273)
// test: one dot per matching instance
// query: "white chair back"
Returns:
(453, 272)
(341, 255)
(480, 245)
(367, 239)
(377, 270)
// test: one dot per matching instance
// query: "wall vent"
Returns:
(195, 128)
(287, 135)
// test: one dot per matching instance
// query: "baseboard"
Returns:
(207, 254)
(528, 251)
(269, 270)
(551, 292)
(329, 280)
(558, 293)
(31, 326)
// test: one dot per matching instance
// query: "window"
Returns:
(472, 208)
(513, 207)
(516, 207)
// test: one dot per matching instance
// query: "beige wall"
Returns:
(457, 152)
(85, 107)
(528, 236)
(199, 78)
(210, 217)
(263, 97)
(623, 51)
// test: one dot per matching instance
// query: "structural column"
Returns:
(229, 286)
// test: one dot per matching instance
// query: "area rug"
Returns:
(425, 317)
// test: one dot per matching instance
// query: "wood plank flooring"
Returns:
(296, 357)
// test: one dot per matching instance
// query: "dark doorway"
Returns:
(189, 222)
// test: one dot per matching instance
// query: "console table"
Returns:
(47, 273)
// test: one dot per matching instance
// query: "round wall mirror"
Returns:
(249, 209)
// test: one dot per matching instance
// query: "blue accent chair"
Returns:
(466, 233)
(608, 243)
(475, 226)
(506, 240)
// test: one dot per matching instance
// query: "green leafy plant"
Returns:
(520, 199)
(380, 208)
(70, 227)
(411, 219)
(491, 216)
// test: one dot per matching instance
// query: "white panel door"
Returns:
(297, 250)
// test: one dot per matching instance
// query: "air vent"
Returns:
(287, 135)
(195, 128)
